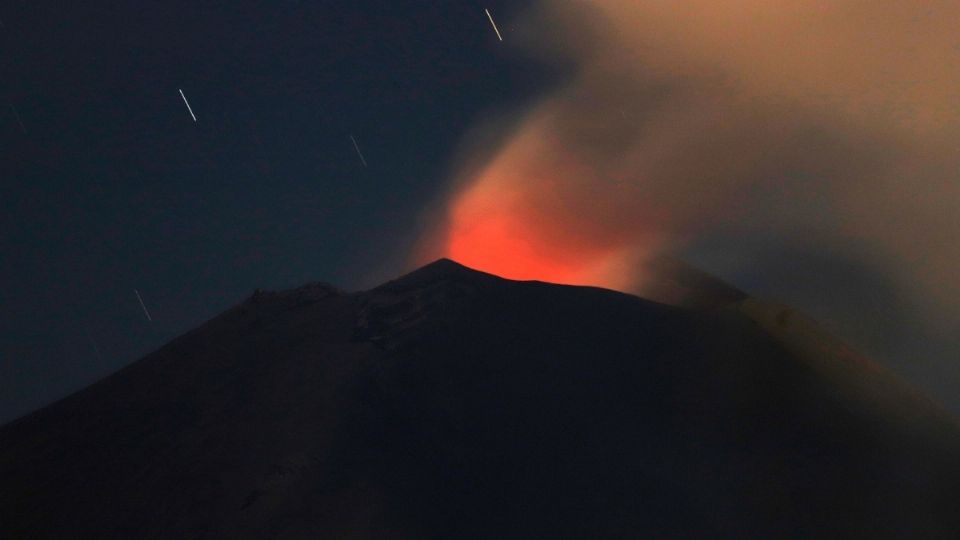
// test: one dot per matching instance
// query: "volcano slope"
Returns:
(450, 403)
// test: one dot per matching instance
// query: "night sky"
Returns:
(110, 186)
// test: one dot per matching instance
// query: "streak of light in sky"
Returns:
(144, 306)
(188, 105)
(359, 153)
(495, 29)
(17, 116)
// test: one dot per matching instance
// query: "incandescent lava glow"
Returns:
(522, 217)
(490, 232)
(505, 243)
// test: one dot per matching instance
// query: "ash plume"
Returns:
(755, 137)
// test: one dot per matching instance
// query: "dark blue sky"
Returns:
(110, 186)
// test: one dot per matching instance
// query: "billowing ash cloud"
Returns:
(776, 142)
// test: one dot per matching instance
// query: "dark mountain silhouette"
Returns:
(450, 403)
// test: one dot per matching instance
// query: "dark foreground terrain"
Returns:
(453, 404)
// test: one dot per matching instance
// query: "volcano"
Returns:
(450, 403)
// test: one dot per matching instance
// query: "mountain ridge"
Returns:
(453, 403)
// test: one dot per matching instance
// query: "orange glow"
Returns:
(515, 227)
(490, 230)
(501, 245)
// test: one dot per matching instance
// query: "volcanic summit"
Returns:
(450, 403)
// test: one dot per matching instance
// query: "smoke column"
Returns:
(796, 145)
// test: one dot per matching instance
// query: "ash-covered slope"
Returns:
(454, 404)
